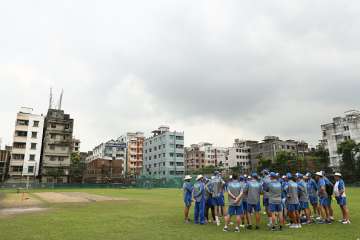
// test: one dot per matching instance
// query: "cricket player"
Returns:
(187, 195)
(312, 189)
(340, 196)
(218, 185)
(274, 190)
(292, 201)
(303, 196)
(253, 190)
(324, 199)
(199, 197)
(235, 193)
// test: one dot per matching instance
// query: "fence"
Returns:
(146, 183)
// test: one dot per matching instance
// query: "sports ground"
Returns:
(135, 214)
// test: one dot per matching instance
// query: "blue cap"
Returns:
(288, 175)
(299, 175)
(272, 174)
(254, 175)
(241, 178)
(308, 174)
(216, 172)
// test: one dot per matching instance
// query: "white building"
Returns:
(341, 129)
(214, 156)
(164, 154)
(239, 154)
(26, 151)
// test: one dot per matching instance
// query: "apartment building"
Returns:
(57, 146)
(164, 154)
(194, 158)
(239, 155)
(214, 156)
(339, 130)
(271, 145)
(134, 157)
(27, 144)
(75, 147)
(5, 156)
(106, 162)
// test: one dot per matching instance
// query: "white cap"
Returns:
(187, 177)
(212, 177)
(199, 177)
(319, 174)
(338, 174)
(230, 177)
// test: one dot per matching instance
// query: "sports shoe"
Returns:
(273, 228)
(346, 222)
(318, 218)
(218, 223)
(257, 227)
(292, 226)
(320, 222)
(328, 222)
(237, 229)
(280, 228)
(225, 229)
(299, 226)
(249, 227)
(332, 219)
(242, 226)
(341, 220)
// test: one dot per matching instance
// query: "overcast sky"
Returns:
(217, 70)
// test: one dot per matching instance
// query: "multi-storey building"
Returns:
(75, 147)
(134, 157)
(271, 145)
(341, 129)
(164, 154)
(4, 162)
(57, 146)
(214, 156)
(26, 151)
(239, 155)
(194, 158)
(106, 163)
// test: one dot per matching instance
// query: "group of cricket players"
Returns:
(286, 199)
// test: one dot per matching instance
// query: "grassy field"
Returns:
(150, 214)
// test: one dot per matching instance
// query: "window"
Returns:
(32, 157)
(163, 154)
(61, 159)
(19, 145)
(53, 125)
(20, 133)
(33, 134)
(171, 163)
(36, 124)
(52, 158)
(18, 156)
(22, 122)
(51, 147)
(179, 155)
(179, 164)
(30, 169)
(33, 146)
(67, 126)
(17, 168)
(171, 154)
(179, 137)
(52, 136)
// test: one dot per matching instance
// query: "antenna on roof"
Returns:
(51, 99)
(60, 99)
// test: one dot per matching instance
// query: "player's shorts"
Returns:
(273, 207)
(187, 202)
(314, 200)
(304, 205)
(221, 201)
(325, 202)
(210, 202)
(217, 201)
(293, 207)
(253, 207)
(341, 201)
(235, 210)
(266, 202)
(244, 204)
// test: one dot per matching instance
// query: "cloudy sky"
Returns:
(217, 70)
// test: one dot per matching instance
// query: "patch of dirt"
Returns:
(74, 197)
(14, 211)
(19, 200)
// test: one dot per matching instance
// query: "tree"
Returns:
(77, 168)
(349, 165)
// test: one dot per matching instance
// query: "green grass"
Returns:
(152, 214)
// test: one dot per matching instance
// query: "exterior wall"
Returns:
(164, 154)
(194, 158)
(27, 144)
(134, 157)
(239, 155)
(75, 145)
(106, 162)
(271, 146)
(104, 170)
(341, 129)
(4, 162)
(57, 146)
